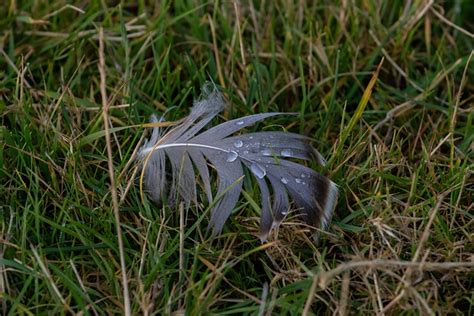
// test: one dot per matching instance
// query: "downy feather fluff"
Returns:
(190, 151)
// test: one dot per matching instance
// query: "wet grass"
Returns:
(399, 147)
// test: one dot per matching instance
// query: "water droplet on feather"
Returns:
(287, 153)
(298, 180)
(240, 123)
(238, 143)
(232, 156)
(284, 180)
(267, 152)
(258, 170)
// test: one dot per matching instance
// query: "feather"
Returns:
(190, 151)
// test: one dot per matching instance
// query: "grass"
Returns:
(399, 147)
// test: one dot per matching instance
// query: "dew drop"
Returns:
(240, 123)
(298, 180)
(284, 213)
(258, 170)
(286, 153)
(284, 180)
(266, 152)
(238, 143)
(232, 156)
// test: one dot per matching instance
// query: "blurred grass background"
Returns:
(402, 236)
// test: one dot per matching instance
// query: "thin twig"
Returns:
(327, 276)
(453, 120)
(48, 276)
(312, 291)
(81, 284)
(408, 25)
(426, 232)
(344, 294)
(239, 32)
(378, 296)
(216, 53)
(85, 33)
(12, 64)
(67, 6)
(448, 22)
(115, 204)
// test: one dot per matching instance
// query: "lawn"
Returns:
(383, 88)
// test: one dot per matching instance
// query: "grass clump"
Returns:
(400, 149)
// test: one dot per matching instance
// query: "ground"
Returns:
(398, 142)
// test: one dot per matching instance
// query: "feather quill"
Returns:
(189, 151)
